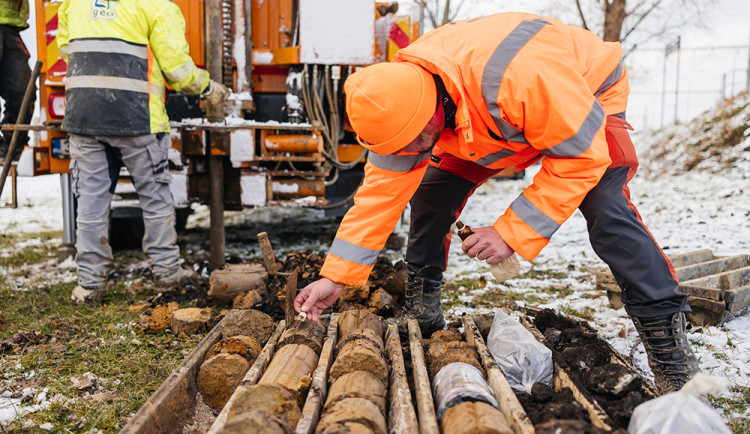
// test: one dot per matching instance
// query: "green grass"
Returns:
(80, 339)
(738, 404)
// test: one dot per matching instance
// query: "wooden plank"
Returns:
(691, 272)
(176, 396)
(425, 404)
(251, 377)
(598, 416)
(737, 299)
(724, 280)
(506, 398)
(319, 387)
(701, 291)
(401, 415)
(691, 258)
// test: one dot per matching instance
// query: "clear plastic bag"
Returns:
(523, 359)
(682, 411)
(460, 382)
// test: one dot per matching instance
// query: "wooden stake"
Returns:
(267, 252)
(401, 415)
(425, 404)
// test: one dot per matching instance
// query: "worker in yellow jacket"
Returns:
(14, 70)
(469, 99)
(118, 54)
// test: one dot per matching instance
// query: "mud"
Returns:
(357, 410)
(21, 341)
(544, 404)
(472, 418)
(359, 355)
(358, 384)
(219, 376)
(270, 398)
(248, 322)
(448, 346)
(579, 350)
(245, 346)
(256, 422)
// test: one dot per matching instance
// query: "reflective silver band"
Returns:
(106, 82)
(581, 141)
(502, 56)
(397, 163)
(532, 216)
(611, 80)
(353, 253)
(158, 91)
(107, 46)
(184, 71)
(489, 159)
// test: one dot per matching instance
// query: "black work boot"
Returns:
(669, 354)
(422, 301)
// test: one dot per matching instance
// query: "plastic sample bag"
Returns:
(523, 359)
(460, 382)
(682, 411)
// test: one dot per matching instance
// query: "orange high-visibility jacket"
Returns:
(525, 87)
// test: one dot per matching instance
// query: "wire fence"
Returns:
(677, 85)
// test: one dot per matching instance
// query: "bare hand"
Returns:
(486, 244)
(317, 297)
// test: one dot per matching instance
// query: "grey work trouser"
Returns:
(95, 164)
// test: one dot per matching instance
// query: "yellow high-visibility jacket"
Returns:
(525, 87)
(118, 54)
(14, 13)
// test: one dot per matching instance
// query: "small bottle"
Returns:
(503, 270)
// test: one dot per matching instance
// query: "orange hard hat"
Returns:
(389, 104)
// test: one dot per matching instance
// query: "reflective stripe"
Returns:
(397, 163)
(353, 253)
(106, 82)
(581, 141)
(609, 81)
(511, 133)
(504, 53)
(489, 159)
(183, 72)
(532, 216)
(107, 46)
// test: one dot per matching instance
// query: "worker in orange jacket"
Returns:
(469, 99)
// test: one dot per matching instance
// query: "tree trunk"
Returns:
(614, 15)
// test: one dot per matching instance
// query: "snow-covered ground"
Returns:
(698, 209)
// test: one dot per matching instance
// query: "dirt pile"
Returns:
(587, 359)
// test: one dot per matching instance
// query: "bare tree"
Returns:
(634, 22)
(439, 12)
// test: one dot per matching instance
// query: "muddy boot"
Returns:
(82, 295)
(669, 354)
(180, 277)
(422, 302)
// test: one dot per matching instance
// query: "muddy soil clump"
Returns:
(578, 349)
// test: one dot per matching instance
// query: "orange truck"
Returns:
(283, 139)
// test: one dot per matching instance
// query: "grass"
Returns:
(738, 404)
(74, 340)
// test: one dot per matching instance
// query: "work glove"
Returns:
(216, 93)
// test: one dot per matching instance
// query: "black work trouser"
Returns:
(616, 232)
(14, 76)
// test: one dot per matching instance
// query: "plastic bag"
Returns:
(460, 382)
(523, 359)
(682, 411)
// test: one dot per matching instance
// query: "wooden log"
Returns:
(356, 410)
(167, 409)
(248, 322)
(235, 279)
(273, 399)
(219, 376)
(506, 398)
(317, 394)
(425, 405)
(472, 418)
(304, 332)
(256, 422)
(359, 355)
(245, 346)
(359, 319)
(691, 258)
(401, 415)
(362, 334)
(251, 377)
(292, 367)
(190, 321)
(357, 384)
(442, 353)
(266, 252)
